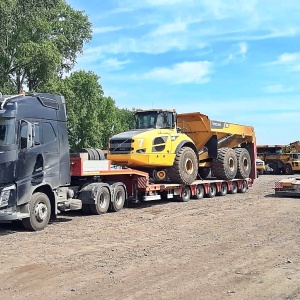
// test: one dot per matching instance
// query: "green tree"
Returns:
(39, 38)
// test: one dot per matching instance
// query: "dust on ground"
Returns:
(241, 246)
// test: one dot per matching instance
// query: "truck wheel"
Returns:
(212, 191)
(225, 165)
(234, 188)
(288, 169)
(102, 202)
(224, 189)
(199, 191)
(203, 172)
(243, 163)
(244, 187)
(185, 167)
(40, 211)
(118, 199)
(185, 194)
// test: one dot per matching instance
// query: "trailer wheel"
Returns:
(244, 187)
(234, 187)
(185, 194)
(40, 212)
(243, 163)
(212, 191)
(224, 189)
(288, 169)
(203, 173)
(118, 198)
(185, 167)
(102, 202)
(199, 191)
(225, 165)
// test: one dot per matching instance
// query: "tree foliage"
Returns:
(92, 117)
(39, 38)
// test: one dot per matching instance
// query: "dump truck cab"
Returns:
(153, 144)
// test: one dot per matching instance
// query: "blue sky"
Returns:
(235, 61)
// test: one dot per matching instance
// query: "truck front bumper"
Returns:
(10, 214)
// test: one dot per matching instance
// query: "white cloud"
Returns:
(170, 28)
(278, 88)
(104, 29)
(113, 64)
(186, 72)
(239, 54)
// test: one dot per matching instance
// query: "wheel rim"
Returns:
(102, 201)
(41, 212)
(189, 167)
(231, 164)
(119, 198)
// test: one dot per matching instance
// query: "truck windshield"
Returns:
(153, 119)
(7, 131)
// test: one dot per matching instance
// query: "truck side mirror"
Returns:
(30, 135)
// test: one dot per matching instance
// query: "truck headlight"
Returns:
(6, 194)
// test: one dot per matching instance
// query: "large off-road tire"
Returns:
(288, 169)
(243, 163)
(40, 212)
(225, 165)
(203, 173)
(185, 167)
(102, 202)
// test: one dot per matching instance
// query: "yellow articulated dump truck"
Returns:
(180, 147)
(282, 159)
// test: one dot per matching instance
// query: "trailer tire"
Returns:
(224, 189)
(185, 167)
(288, 169)
(185, 194)
(102, 202)
(199, 191)
(203, 173)
(118, 199)
(225, 165)
(40, 212)
(244, 187)
(212, 191)
(234, 187)
(243, 163)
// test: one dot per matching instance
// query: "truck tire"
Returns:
(288, 169)
(118, 200)
(185, 167)
(203, 173)
(234, 188)
(244, 187)
(199, 192)
(102, 202)
(224, 189)
(225, 165)
(212, 191)
(243, 163)
(40, 212)
(185, 194)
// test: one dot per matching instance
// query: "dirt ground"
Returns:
(242, 246)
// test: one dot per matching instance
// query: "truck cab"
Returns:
(34, 156)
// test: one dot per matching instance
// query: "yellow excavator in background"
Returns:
(181, 146)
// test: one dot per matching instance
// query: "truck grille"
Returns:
(120, 146)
